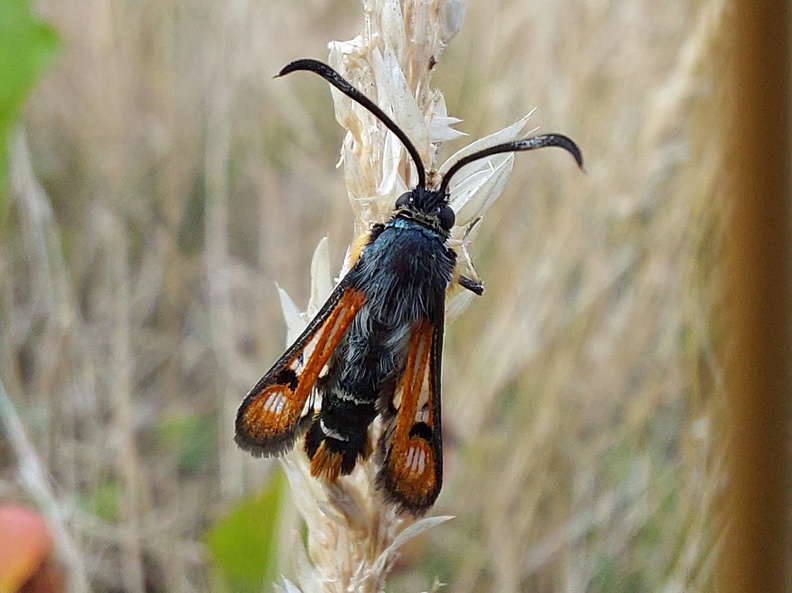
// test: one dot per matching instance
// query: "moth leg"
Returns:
(474, 285)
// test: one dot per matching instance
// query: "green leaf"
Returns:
(27, 46)
(243, 544)
(191, 437)
(103, 500)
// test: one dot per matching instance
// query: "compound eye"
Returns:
(446, 216)
(404, 200)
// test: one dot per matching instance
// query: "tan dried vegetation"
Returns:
(163, 183)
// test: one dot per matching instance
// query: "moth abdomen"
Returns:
(338, 437)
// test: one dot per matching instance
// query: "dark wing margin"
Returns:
(273, 414)
(411, 474)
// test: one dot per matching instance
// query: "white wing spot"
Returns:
(275, 403)
(298, 362)
(410, 454)
(416, 460)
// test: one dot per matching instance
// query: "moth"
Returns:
(375, 347)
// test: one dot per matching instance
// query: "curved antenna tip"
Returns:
(542, 141)
(336, 80)
(558, 140)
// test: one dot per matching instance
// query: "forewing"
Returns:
(411, 474)
(274, 413)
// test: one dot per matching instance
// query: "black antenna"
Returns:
(517, 146)
(342, 85)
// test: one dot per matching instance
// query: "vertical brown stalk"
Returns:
(758, 288)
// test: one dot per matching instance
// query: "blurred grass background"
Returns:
(163, 182)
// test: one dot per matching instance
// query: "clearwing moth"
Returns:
(375, 347)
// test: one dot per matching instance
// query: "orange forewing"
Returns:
(268, 419)
(412, 473)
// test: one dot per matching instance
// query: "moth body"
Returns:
(403, 272)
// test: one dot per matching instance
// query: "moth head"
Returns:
(431, 205)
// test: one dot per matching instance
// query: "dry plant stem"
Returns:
(129, 467)
(217, 271)
(36, 484)
(353, 536)
(33, 475)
